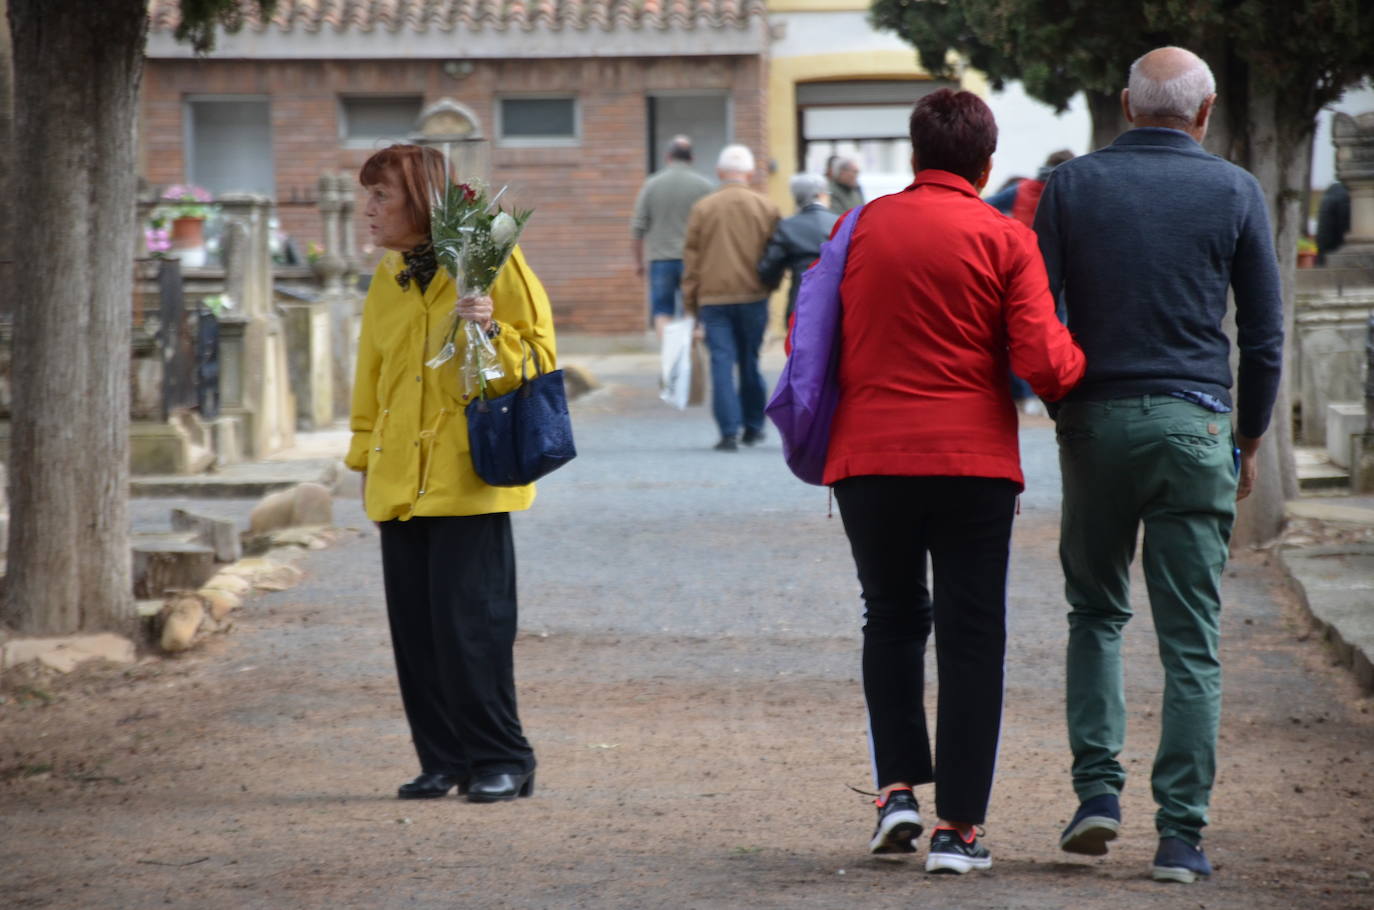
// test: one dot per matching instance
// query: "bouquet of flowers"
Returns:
(473, 237)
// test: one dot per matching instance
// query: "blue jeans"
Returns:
(734, 333)
(665, 277)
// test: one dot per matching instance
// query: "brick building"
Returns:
(576, 98)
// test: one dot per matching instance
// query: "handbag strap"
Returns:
(528, 352)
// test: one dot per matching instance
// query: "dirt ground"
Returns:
(691, 691)
(674, 774)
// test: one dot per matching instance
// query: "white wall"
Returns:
(1028, 131)
(807, 33)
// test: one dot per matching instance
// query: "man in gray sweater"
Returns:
(1143, 238)
(659, 225)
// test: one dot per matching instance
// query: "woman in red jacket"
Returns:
(942, 296)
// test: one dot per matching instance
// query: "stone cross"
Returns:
(1354, 141)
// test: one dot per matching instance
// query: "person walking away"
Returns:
(941, 296)
(1143, 238)
(448, 559)
(1005, 197)
(845, 192)
(659, 226)
(1333, 220)
(726, 235)
(1028, 192)
(797, 241)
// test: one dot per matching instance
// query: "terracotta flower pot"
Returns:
(1307, 260)
(188, 233)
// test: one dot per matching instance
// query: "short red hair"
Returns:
(413, 168)
(953, 131)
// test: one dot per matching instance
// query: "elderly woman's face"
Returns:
(387, 222)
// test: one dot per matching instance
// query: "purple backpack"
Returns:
(803, 403)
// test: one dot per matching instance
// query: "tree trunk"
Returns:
(6, 161)
(1108, 119)
(77, 67)
(1276, 144)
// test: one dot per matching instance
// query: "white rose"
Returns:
(503, 229)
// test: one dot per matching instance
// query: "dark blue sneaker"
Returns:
(1095, 823)
(1176, 860)
(899, 823)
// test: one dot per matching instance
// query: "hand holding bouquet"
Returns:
(473, 237)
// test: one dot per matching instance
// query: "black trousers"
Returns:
(450, 597)
(964, 524)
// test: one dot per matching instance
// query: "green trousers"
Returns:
(1167, 464)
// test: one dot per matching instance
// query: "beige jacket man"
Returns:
(727, 233)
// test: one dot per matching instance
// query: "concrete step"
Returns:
(1316, 473)
(250, 480)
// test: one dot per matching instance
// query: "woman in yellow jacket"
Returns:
(448, 559)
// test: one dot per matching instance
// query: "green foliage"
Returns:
(1308, 51)
(200, 18)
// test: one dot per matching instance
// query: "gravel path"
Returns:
(688, 674)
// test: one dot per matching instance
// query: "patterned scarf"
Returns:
(421, 265)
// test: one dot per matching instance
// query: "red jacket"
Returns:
(941, 294)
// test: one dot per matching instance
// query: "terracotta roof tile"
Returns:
(448, 15)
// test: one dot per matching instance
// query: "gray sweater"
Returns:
(1143, 238)
(662, 207)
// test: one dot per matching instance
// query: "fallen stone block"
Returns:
(181, 619)
(266, 574)
(228, 581)
(303, 504)
(65, 653)
(314, 505)
(308, 538)
(169, 562)
(219, 602)
(272, 511)
(577, 380)
(217, 533)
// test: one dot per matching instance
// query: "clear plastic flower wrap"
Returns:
(473, 238)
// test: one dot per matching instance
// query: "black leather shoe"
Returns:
(752, 436)
(431, 786)
(727, 444)
(494, 788)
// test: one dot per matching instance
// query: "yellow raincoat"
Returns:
(410, 432)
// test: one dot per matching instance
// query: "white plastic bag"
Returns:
(676, 377)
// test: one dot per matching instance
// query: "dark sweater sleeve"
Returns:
(774, 261)
(1259, 318)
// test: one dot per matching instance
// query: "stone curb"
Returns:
(1335, 586)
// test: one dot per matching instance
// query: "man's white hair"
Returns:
(806, 187)
(735, 159)
(846, 161)
(1178, 96)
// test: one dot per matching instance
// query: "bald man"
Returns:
(1143, 238)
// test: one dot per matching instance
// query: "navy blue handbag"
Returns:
(522, 435)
